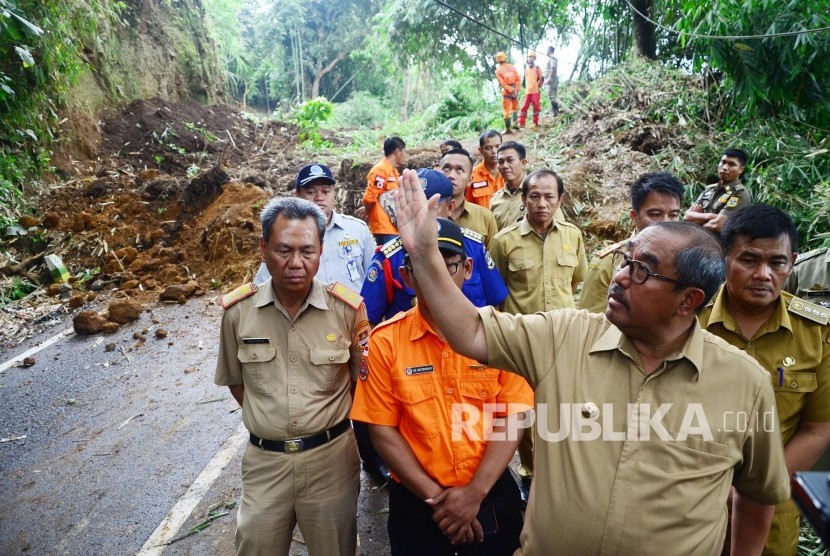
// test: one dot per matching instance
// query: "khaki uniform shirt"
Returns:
(608, 483)
(507, 206)
(594, 296)
(724, 199)
(795, 352)
(297, 373)
(810, 278)
(539, 273)
(478, 219)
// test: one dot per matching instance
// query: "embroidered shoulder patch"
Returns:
(602, 253)
(237, 295)
(346, 295)
(475, 236)
(809, 311)
(391, 247)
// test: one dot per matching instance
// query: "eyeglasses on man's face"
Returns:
(638, 271)
(452, 268)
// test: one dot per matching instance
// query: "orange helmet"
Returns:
(501, 57)
(531, 54)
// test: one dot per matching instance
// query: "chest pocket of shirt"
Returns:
(259, 366)
(568, 261)
(795, 381)
(481, 388)
(522, 274)
(418, 402)
(327, 366)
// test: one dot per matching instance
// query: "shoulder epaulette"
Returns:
(237, 295)
(398, 316)
(345, 294)
(473, 235)
(391, 247)
(602, 253)
(811, 254)
(809, 311)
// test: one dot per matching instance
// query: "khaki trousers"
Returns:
(317, 489)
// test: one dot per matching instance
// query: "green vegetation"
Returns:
(309, 116)
(18, 288)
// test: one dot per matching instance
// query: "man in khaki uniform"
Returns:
(457, 165)
(787, 335)
(719, 200)
(655, 197)
(810, 278)
(638, 440)
(542, 261)
(290, 351)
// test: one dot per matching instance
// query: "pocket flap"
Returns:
(566, 259)
(256, 353)
(519, 264)
(414, 391)
(329, 356)
(795, 381)
(480, 390)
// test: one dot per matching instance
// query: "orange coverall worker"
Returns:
(382, 177)
(533, 78)
(510, 82)
(483, 185)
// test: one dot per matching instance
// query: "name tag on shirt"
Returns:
(419, 370)
(256, 341)
(479, 184)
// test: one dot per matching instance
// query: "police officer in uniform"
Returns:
(787, 335)
(719, 200)
(810, 278)
(655, 197)
(290, 351)
(385, 292)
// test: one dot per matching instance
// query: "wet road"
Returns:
(128, 443)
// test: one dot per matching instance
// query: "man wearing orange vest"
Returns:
(510, 84)
(533, 80)
(383, 177)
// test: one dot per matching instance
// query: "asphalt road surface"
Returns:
(118, 445)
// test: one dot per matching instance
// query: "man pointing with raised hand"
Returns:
(637, 439)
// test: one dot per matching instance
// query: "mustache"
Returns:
(615, 291)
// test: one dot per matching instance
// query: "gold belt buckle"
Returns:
(293, 446)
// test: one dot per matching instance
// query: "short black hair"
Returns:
(391, 144)
(699, 263)
(489, 134)
(452, 143)
(737, 153)
(560, 185)
(516, 146)
(461, 152)
(659, 182)
(758, 221)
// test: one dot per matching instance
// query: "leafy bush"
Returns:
(309, 116)
(361, 110)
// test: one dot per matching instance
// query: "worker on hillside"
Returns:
(533, 80)
(552, 80)
(510, 84)
(382, 177)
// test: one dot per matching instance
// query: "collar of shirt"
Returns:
(692, 350)
(420, 326)
(336, 220)
(525, 228)
(316, 298)
(734, 185)
(779, 319)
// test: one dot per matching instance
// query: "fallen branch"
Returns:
(20, 269)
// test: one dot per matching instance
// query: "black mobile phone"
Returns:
(487, 519)
(811, 492)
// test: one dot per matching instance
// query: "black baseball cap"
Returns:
(313, 172)
(450, 238)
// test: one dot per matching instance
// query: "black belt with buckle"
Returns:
(295, 445)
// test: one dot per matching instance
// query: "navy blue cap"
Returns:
(433, 181)
(450, 237)
(312, 172)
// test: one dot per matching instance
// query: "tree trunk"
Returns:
(320, 71)
(645, 41)
(405, 102)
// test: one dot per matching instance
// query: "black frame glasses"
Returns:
(452, 268)
(638, 271)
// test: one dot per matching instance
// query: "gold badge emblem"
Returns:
(789, 361)
(331, 336)
(797, 305)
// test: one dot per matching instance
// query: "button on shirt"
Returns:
(624, 486)
(415, 379)
(539, 271)
(297, 383)
(796, 345)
